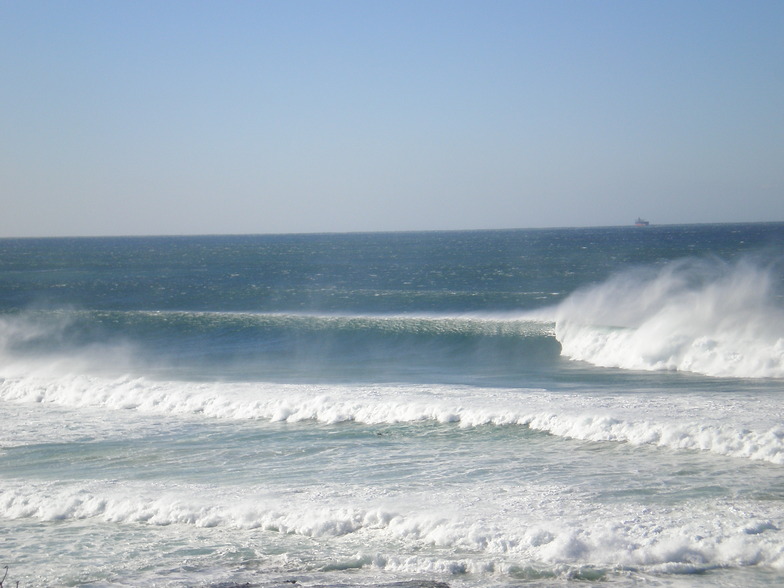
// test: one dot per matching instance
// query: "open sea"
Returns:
(552, 407)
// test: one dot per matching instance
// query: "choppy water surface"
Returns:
(494, 408)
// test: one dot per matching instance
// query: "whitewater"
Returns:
(488, 408)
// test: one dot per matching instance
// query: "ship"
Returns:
(641, 222)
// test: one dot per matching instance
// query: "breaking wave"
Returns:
(222, 344)
(703, 316)
(395, 404)
(673, 540)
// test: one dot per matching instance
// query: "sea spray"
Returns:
(698, 315)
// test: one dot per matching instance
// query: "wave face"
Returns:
(697, 315)
(468, 409)
(254, 346)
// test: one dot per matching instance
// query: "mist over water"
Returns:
(481, 409)
(701, 315)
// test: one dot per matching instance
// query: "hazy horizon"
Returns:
(390, 231)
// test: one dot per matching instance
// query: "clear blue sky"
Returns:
(149, 117)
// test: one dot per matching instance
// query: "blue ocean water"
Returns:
(479, 408)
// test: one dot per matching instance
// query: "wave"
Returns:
(259, 346)
(34, 324)
(673, 539)
(465, 407)
(405, 325)
(74, 326)
(695, 315)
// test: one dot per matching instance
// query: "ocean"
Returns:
(550, 407)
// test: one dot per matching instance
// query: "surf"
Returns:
(539, 532)
(216, 345)
(705, 316)
(679, 427)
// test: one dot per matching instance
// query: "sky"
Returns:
(231, 117)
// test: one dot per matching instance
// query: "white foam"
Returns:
(706, 317)
(690, 536)
(766, 445)
(744, 428)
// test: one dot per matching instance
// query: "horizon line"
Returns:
(382, 232)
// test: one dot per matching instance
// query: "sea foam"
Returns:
(683, 425)
(669, 539)
(704, 316)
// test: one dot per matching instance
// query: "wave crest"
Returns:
(395, 404)
(703, 316)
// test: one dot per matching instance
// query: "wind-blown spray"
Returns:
(704, 316)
